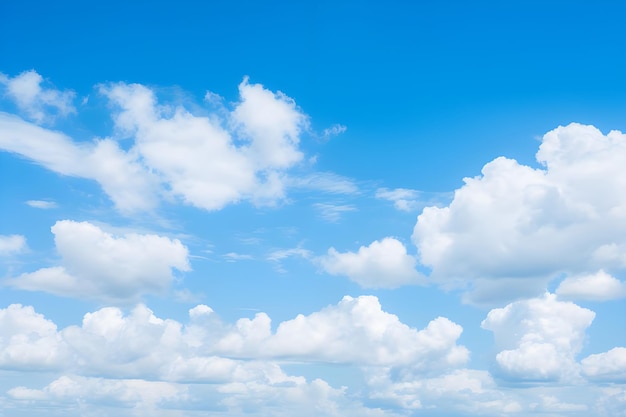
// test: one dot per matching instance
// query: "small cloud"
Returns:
(403, 199)
(232, 257)
(12, 244)
(334, 130)
(279, 255)
(325, 182)
(42, 204)
(333, 212)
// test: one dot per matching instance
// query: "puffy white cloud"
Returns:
(599, 286)
(607, 366)
(96, 264)
(38, 103)
(27, 340)
(518, 227)
(206, 161)
(539, 338)
(11, 244)
(142, 396)
(382, 264)
(466, 391)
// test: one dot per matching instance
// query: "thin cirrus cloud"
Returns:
(511, 230)
(96, 264)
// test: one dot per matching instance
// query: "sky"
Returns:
(272, 208)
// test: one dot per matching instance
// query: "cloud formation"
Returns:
(510, 230)
(12, 244)
(38, 103)
(539, 338)
(382, 264)
(204, 161)
(96, 264)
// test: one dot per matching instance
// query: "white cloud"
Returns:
(332, 212)
(42, 204)
(96, 264)
(607, 366)
(539, 338)
(126, 182)
(326, 182)
(38, 103)
(27, 340)
(599, 287)
(382, 264)
(334, 130)
(403, 199)
(11, 244)
(232, 257)
(205, 161)
(518, 227)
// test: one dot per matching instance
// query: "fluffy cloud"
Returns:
(96, 264)
(11, 244)
(539, 338)
(517, 227)
(607, 366)
(205, 161)
(382, 264)
(599, 286)
(37, 102)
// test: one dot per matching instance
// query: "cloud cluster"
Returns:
(204, 161)
(538, 339)
(382, 264)
(96, 264)
(38, 103)
(509, 231)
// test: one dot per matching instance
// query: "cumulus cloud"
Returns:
(539, 338)
(599, 287)
(518, 227)
(382, 264)
(96, 264)
(38, 103)
(12, 244)
(204, 161)
(607, 366)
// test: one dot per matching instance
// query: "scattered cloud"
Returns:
(519, 227)
(96, 264)
(38, 103)
(382, 264)
(334, 130)
(598, 287)
(12, 244)
(42, 204)
(326, 182)
(403, 199)
(332, 212)
(232, 257)
(607, 366)
(539, 338)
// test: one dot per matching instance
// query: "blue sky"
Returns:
(336, 209)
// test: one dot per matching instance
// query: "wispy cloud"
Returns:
(333, 212)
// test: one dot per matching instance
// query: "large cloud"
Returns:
(382, 264)
(509, 231)
(206, 161)
(96, 264)
(538, 339)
